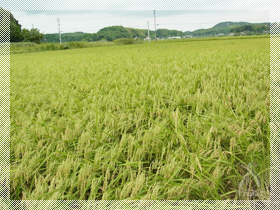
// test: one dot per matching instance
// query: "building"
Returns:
(220, 34)
(174, 37)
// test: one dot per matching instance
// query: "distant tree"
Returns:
(139, 33)
(113, 32)
(90, 37)
(52, 38)
(163, 33)
(15, 30)
(35, 36)
(257, 28)
(25, 34)
(231, 27)
(16, 33)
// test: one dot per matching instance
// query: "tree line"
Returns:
(257, 28)
(112, 33)
(17, 34)
(231, 27)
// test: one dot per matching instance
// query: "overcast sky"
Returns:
(92, 21)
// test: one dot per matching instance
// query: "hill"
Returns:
(229, 23)
(112, 33)
(231, 27)
(115, 32)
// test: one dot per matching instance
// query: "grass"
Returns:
(183, 120)
(27, 47)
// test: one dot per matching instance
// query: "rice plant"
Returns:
(175, 120)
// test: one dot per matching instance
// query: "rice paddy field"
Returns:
(169, 120)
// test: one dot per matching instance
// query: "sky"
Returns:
(92, 21)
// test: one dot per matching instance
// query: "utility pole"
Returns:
(155, 25)
(44, 37)
(59, 31)
(148, 32)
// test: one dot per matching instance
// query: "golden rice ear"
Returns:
(171, 120)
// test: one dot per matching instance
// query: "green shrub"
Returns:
(24, 44)
(76, 45)
(124, 41)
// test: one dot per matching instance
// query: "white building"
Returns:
(220, 34)
(174, 37)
